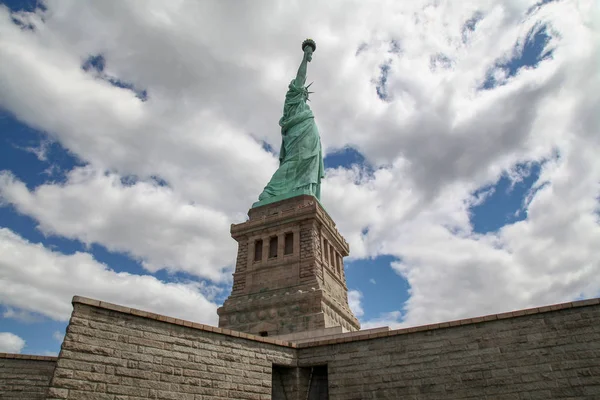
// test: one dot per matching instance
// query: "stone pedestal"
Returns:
(289, 274)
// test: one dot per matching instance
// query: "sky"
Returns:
(461, 144)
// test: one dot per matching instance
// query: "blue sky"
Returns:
(448, 176)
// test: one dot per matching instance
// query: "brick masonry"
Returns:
(112, 352)
(25, 377)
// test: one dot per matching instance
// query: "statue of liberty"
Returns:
(300, 158)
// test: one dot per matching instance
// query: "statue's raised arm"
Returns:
(300, 158)
(308, 47)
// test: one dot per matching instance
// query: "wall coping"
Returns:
(450, 324)
(337, 339)
(27, 357)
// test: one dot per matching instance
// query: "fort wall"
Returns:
(24, 376)
(117, 353)
(542, 353)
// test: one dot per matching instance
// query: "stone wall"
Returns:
(24, 376)
(116, 353)
(546, 353)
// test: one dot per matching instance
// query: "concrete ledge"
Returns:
(176, 321)
(27, 357)
(512, 314)
(325, 335)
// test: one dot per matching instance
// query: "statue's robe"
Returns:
(300, 158)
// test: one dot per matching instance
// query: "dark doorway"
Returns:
(282, 383)
(290, 383)
(318, 385)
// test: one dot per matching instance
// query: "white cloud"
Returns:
(11, 343)
(58, 336)
(179, 134)
(392, 319)
(354, 301)
(373, 281)
(20, 315)
(550, 257)
(151, 223)
(216, 76)
(36, 279)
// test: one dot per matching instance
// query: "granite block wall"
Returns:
(116, 355)
(524, 355)
(25, 377)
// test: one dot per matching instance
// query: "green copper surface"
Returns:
(300, 158)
